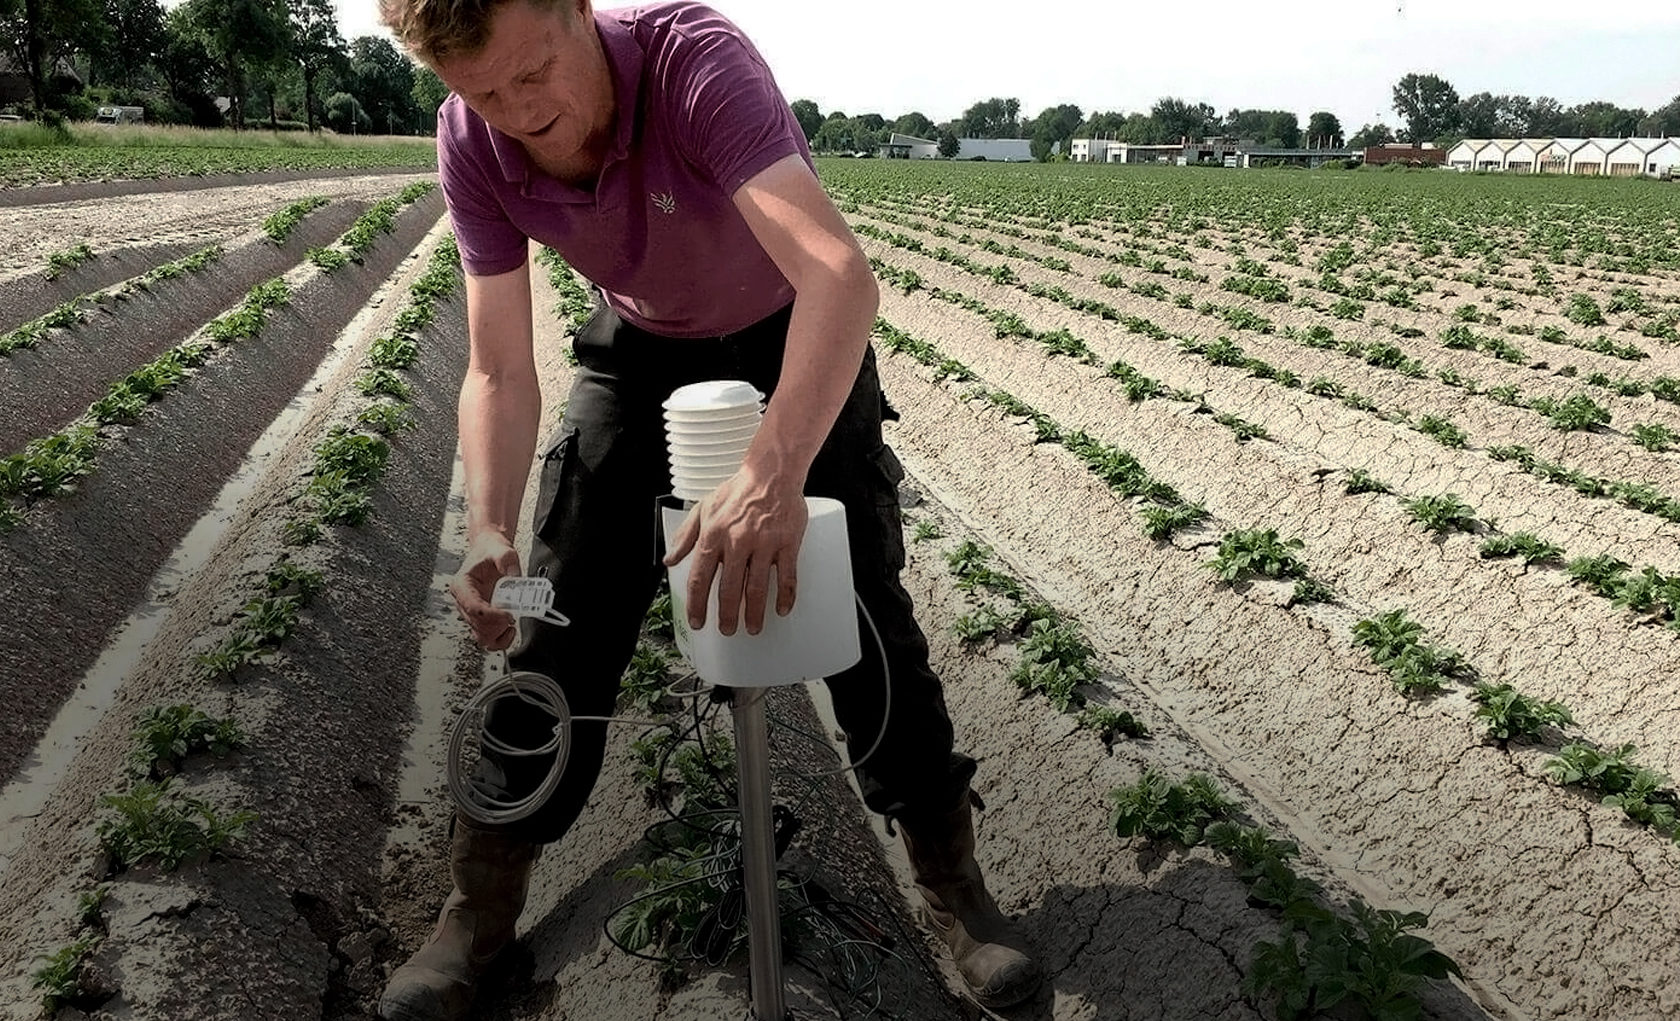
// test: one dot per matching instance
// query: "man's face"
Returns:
(541, 77)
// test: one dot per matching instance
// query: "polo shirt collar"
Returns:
(624, 61)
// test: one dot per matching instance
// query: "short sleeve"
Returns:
(734, 121)
(488, 241)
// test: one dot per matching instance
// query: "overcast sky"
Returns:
(941, 56)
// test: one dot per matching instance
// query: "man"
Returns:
(653, 150)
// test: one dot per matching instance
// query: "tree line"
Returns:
(272, 62)
(1429, 109)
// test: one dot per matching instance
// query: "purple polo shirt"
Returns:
(698, 115)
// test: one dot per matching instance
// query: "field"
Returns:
(1298, 550)
(31, 155)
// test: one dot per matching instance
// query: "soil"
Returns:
(1553, 904)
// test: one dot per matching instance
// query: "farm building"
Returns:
(1631, 157)
(1463, 156)
(909, 147)
(1003, 150)
(1293, 157)
(1590, 157)
(1664, 159)
(1524, 156)
(1555, 158)
(1401, 152)
(1583, 157)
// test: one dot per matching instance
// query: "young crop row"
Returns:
(1252, 280)
(1582, 308)
(23, 168)
(1574, 413)
(1632, 223)
(1646, 591)
(1644, 795)
(152, 821)
(74, 311)
(1418, 668)
(47, 466)
(1380, 966)
(360, 238)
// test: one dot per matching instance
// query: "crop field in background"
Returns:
(1300, 552)
(31, 155)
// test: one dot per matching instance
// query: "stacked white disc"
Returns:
(708, 427)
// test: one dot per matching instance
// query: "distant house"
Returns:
(1107, 150)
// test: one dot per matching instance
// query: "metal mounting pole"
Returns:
(758, 855)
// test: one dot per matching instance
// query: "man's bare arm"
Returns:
(756, 520)
(500, 401)
(500, 406)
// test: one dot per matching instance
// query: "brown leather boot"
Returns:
(491, 874)
(988, 949)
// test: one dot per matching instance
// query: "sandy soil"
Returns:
(196, 217)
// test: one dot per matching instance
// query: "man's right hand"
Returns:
(490, 557)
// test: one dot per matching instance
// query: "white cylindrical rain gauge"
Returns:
(708, 427)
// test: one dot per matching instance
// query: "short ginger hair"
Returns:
(435, 29)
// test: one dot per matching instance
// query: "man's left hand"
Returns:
(744, 528)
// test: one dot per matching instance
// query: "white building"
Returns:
(1004, 150)
(1524, 156)
(1631, 157)
(1091, 150)
(1463, 156)
(908, 147)
(1665, 158)
(1555, 158)
(1592, 157)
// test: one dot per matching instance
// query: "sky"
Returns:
(941, 56)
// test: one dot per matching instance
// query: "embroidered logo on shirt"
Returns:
(667, 202)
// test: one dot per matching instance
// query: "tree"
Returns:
(1429, 105)
(316, 47)
(184, 64)
(1275, 128)
(835, 135)
(1663, 121)
(1324, 130)
(1102, 125)
(949, 144)
(1142, 129)
(240, 36)
(1176, 119)
(1479, 115)
(1545, 117)
(382, 79)
(36, 33)
(429, 92)
(1604, 120)
(1052, 128)
(346, 116)
(809, 117)
(134, 42)
(1370, 135)
(915, 124)
(992, 118)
